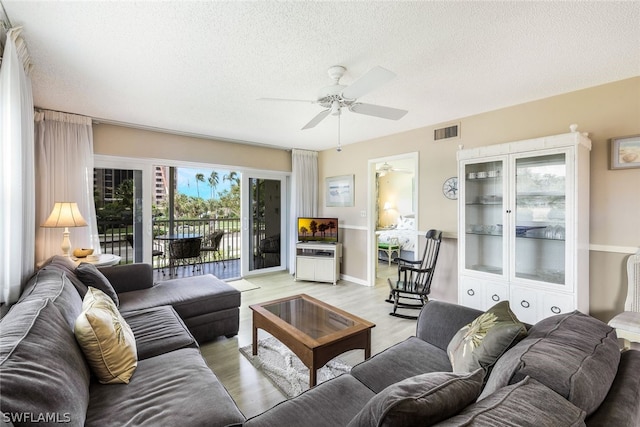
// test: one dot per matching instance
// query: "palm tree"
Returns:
(213, 181)
(232, 177)
(199, 178)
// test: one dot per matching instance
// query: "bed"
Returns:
(405, 233)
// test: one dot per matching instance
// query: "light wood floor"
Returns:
(250, 389)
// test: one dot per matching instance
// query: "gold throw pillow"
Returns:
(106, 339)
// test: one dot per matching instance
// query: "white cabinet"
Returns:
(524, 225)
(318, 262)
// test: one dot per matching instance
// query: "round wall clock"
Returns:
(450, 188)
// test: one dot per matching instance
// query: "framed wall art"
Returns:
(339, 191)
(625, 152)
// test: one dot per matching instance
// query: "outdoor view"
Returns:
(201, 202)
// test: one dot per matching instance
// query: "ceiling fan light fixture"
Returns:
(335, 108)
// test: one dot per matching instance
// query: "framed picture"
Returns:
(625, 152)
(339, 190)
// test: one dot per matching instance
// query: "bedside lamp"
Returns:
(65, 215)
(386, 208)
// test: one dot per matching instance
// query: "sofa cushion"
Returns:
(172, 389)
(41, 366)
(106, 339)
(91, 276)
(524, 404)
(620, 408)
(404, 360)
(55, 285)
(439, 321)
(190, 297)
(480, 343)
(158, 330)
(333, 403)
(421, 400)
(129, 277)
(573, 354)
(64, 263)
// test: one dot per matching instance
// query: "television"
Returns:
(322, 230)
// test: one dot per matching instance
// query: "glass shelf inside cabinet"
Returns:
(544, 232)
(545, 275)
(487, 268)
(484, 197)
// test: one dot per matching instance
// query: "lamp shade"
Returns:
(65, 214)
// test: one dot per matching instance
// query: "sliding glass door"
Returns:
(138, 202)
(264, 216)
(121, 210)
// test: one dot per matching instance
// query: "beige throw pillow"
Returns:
(106, 339)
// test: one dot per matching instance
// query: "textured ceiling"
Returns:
(198, 67)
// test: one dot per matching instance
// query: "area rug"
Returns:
(285, 370)
(243, 285)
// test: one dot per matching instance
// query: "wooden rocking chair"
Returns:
(414, 277)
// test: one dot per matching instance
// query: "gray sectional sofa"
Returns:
(566, 371)
(45, 378)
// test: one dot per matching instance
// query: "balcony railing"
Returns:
(114, 240)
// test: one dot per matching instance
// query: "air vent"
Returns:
(448, 132)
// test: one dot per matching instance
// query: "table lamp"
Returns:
(386, 208)
(65, 214)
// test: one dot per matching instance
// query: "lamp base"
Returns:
(66, 243)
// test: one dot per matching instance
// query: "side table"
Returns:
(105, 260)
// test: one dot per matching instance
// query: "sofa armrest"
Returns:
(621, 407)
(439, 321)
(129, 277)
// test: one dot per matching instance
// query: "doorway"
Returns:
(393, 203)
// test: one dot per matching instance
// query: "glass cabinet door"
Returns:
(540, 218)
(483, 217)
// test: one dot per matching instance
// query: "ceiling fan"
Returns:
(335, 97)
(386, 168)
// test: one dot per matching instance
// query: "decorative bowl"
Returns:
(82, 253)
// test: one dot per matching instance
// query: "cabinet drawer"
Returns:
(525, 304)
(471, 293)
(495, 293)
(553, 304)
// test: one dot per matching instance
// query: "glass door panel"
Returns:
(484, 219)
(119, 212)
(264, 221)
(540, 227)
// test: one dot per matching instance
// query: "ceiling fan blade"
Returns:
(378, 111)
(371, 80)
(317, 119)
(287, 100)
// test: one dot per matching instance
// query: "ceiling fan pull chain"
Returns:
(339, 149)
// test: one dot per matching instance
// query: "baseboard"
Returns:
(354, 280)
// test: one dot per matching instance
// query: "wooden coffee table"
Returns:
(315, 331)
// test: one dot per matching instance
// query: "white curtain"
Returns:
(17, 214)
(64, 173)
(304, 193)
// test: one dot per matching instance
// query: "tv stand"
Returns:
(318, 262)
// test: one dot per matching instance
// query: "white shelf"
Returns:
(318, 262)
